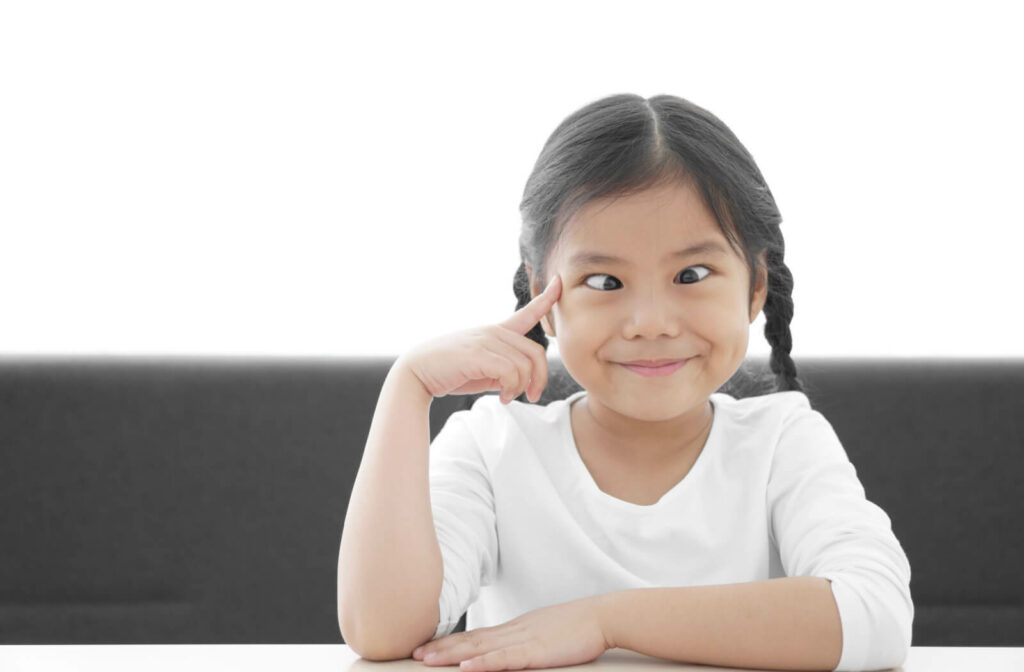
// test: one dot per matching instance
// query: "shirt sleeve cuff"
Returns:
(853, 617)
(445, 624)
(872, 636)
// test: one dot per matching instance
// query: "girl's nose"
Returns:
(653, 315)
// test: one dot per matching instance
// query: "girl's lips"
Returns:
(648, 371)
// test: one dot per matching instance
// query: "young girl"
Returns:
(649, 510)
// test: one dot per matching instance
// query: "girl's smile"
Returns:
(661, 370)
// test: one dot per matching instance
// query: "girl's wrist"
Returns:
(402, 374)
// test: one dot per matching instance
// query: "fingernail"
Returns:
(418, 651)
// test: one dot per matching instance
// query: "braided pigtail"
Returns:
(778, 310)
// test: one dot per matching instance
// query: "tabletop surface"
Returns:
(340, 658)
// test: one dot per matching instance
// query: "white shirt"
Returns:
(522, 524)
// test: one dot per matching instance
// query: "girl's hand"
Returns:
(564, 634)
(493, 357)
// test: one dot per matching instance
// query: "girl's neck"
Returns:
(639, 443)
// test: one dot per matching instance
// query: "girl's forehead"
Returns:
(670, 210)
(638, 227)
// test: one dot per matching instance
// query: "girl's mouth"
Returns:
(664, 370)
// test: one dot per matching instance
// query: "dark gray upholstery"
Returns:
(201, 500)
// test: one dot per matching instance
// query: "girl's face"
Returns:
(651, 303)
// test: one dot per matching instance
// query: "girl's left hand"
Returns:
(564, 634)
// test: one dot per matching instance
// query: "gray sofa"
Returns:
(201, 500)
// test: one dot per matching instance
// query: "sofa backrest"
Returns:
(201, 500)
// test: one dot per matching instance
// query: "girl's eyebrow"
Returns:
(587, 257)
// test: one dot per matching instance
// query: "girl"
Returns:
(648, 510)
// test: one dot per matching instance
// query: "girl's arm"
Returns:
(824, 526)
(788, 623)
(389, 563)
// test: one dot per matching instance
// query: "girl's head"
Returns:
(640, 179)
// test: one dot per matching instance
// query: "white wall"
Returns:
(324, 178)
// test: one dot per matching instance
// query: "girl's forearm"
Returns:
(789, 623)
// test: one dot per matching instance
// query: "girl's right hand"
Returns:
(493, 357)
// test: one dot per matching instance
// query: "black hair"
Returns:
(624, 143)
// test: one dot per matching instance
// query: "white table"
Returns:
(340, 658)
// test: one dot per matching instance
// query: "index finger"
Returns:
(529, 315)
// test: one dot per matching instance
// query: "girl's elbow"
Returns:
(892, 640)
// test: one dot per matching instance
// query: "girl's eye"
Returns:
(689, 274)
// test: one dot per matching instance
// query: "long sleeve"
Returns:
(462, 503)
(823, 525)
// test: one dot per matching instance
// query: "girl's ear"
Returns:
(761, 287)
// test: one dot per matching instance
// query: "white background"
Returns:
(332, 178)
